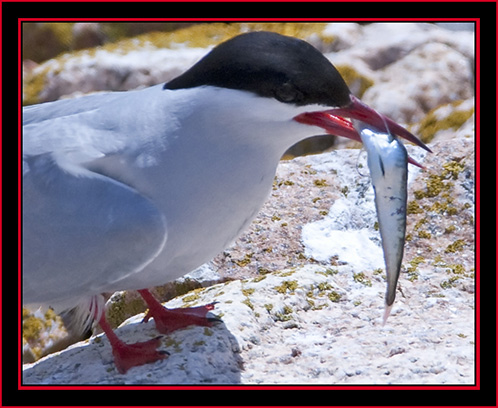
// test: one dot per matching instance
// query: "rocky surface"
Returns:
(301, 292)
(320, 320)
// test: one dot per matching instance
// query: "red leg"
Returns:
(126, 355)
(169, 320)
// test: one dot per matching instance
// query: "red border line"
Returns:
(268, 387)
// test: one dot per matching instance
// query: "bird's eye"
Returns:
(287, 93)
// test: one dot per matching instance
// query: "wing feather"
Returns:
(82, 232)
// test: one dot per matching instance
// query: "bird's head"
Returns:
(293, 72)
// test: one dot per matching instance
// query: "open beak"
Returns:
(332, 122)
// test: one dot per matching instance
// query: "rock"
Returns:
(41, 331)
(447, 121)
(427, 77)
(345, 35)
(375, 46)
(43, 40)
(320, 320)
(414, 67)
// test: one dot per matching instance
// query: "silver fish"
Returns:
(388, 164)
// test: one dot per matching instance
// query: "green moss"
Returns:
(268, 307)
(334, 296)
(122, 308)
(285, 315)
(362, 278)
(247, 292)
(457, 269)
(290, 286)
(412, 268)
(356, 82)
(440, 184)
(322, 286)
(288, 273)
(455, 246)
(413, 208)
(424, 235)
(34, 85)
(450, 283)
(444, 207)
(320, 183)
(263, 271)
(191, 298)
(171, 342)
(32, 327)
(328, 272)
(430, 124)
(434, 186)
(452, 169)
(244, 261)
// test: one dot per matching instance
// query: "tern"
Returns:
(130, 190)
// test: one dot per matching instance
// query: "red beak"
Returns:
(332, 123)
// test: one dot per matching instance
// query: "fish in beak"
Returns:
(388, 165)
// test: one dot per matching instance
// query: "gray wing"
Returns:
(82, 232)
(95, 126)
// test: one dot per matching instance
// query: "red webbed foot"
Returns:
(127, 355)
(169, 320)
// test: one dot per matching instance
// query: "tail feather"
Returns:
(82, 317)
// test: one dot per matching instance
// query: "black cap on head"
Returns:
(270, 65)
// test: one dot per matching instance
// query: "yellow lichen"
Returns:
(32, 327)
(362, 278)
(320, 183)
(455, 246)
(431, 123)
(334, 296)
(452, 169)
(435, 184)
(413, 208)
(290, 286)
(244, 261)
(356, 82)
(122, 308)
